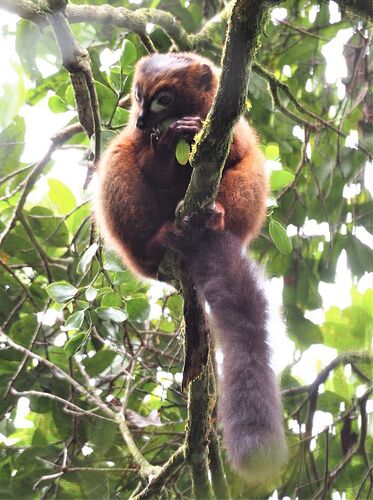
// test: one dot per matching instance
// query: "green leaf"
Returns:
(116, 77)
(99, 362)
(106, 137)
(182, 152)
(111, 299)
(280, 179)
(175, 305)
(113, 262)
(74, 343)
(359, 256)
(12, 144)
(102, 434)
(28, 35)
(330, 401)
(70, 96)
(121, 117)
(91, 293)
(128, 55)
(51, 230)
(138, 309)
(61, 291)
(112, 314)
(301, 329)
(62, 420)
(272, 152)
(279, 237)
(107, 100)
(74, 322)
(61, 196)
(23, 329)
(86, 258)
(57, 105)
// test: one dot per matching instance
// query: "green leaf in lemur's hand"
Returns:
(182, 152)
(279, 237)
(164, 124)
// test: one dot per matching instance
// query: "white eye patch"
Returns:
(155, 107)
(161, 101)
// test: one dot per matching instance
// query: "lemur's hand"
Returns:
(167, 136)
(195, 227)
(209, 218)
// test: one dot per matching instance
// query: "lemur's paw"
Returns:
(167, 137)
(209, 218)
(171, 238)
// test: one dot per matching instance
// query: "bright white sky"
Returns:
(42, 124)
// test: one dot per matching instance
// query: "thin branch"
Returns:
(56, 369)
(25, 357)
(344, 358)
(146, 469)
(160, 480)
(19, 281)
(218, 479)
(63, 401)
(76, 60)
(57, 140)
(276, 85)
(367, 475)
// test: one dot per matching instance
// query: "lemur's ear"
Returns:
(205, 77)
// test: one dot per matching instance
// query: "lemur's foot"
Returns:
(209, 218)
(171, 238)
(195, 226)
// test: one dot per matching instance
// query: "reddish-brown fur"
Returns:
(140, 187)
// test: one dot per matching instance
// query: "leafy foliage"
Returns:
(102, 342)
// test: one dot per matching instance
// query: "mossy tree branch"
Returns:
(76, 61)
(245, 25)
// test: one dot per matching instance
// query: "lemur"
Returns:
(140, 184)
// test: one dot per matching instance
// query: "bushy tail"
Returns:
(249, 407)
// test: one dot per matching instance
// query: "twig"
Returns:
(158, 482)
(218, 479)
(344, 358)
(368, 473)
(19, 281)
(76, 60)
(146, 469)
(57, 140)
(56, 369)
(25, 357)
(64, 402)
(276, 85)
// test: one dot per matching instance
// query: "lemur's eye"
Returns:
(161, 101)
(165, 98)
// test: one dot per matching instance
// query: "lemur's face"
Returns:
(155, 107)
(168, 86)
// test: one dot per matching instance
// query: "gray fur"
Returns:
(249, 407)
